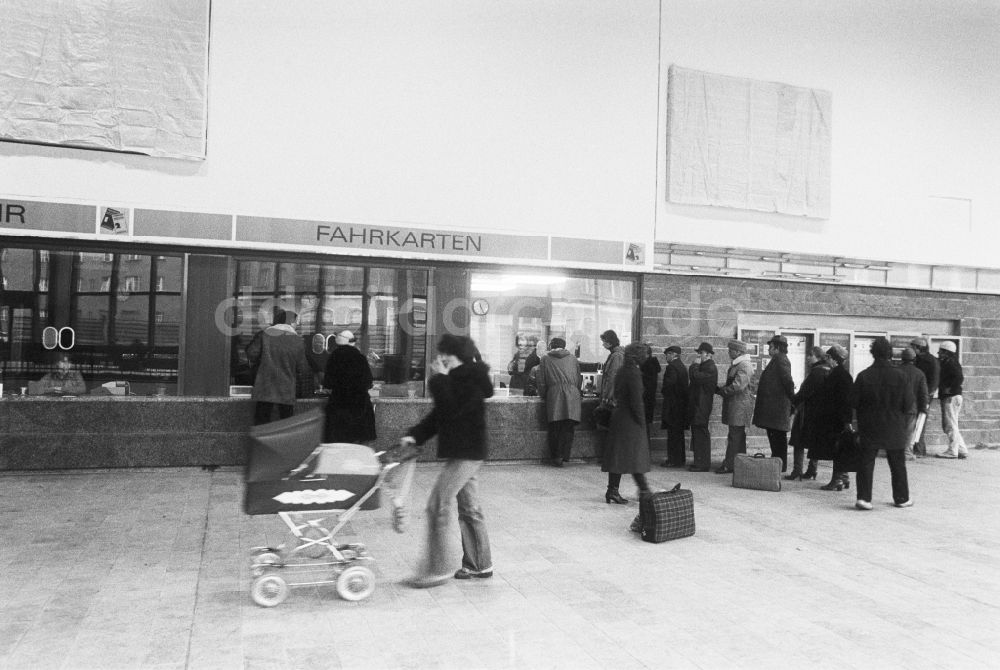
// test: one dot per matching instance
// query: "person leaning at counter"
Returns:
(64, 380)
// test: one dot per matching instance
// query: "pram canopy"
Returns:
(279, 479)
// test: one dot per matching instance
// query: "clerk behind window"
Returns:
(63, 380)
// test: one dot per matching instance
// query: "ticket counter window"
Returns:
(114, 316)
(510, 313)
(386, 309)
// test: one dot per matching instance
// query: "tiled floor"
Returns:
(149, 569)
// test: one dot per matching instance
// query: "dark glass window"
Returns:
(386, 309)
(117, 317)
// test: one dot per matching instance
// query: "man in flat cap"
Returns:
(931, 368)
(704, 376)
(350, 416)
(737, 403)
(950, 392)
(773, 408)
(675, 401)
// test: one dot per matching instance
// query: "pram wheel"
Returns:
(357, 582)
(269, 590)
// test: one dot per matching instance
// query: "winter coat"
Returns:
(835, 399)
(350, 416)
(918, 382)
(608, 373)
(951, 378)
(809, 403)
(459, 414)
(650, 370)
(627, 447)
(775, 391)
(279, 356)
(737, 401)
(701, 392)
(559, 380)
(882, 398)
(675, 395)
(931, 367)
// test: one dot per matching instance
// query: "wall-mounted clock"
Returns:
(480, 307)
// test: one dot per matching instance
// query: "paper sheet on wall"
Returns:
(748, 144)
(105, 74)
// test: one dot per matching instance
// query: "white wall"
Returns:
(547, 116)
(916, 95)
(523, 115)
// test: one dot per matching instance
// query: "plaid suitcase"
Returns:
(667, 515)
(757, 472)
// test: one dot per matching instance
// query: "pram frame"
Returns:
(347, 565)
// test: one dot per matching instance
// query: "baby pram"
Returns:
(305, 485)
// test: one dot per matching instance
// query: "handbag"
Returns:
(848, 458)
(602, 416)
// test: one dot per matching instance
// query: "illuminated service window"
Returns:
(512, 313)
(385, 308)
(113, 329)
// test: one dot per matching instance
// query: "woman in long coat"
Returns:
(810, 407)
(836, 394)
(350, 416)
(627, 448)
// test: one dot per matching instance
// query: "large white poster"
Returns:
(748, 144)
(126, 76)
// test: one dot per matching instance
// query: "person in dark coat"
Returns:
(650, 371)
(350, 416)
(737, 404)
(836, 393)
(524, 360)
(704, 377)
(883, 400)
(931, 368)
(773, 408)
(811, 410)
(674, 416)
(460, 384)
(918, 380)
(558, 380)
(279, 357)
(627, 447)
(950, 393)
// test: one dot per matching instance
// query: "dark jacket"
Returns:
(883, 399)
(650, 370)
(627, 447)
(931, 368)
(558, 378)
(459, 414)
(918, 383)
(675, 395)
(701, 391)
(775, 391)
(951, 378)
(810, 404)
(612, 364)
(519, 379)
(350, 416)
(279, 356)
(835, 398)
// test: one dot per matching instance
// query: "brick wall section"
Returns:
(688, 310)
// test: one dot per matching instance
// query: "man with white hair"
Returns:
(350, 416)
(950, 393)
